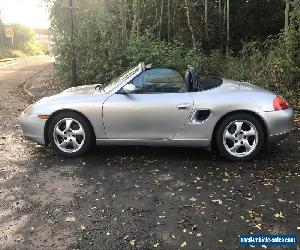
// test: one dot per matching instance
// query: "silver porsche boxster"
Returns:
(157, 106)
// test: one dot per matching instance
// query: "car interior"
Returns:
(194, 83)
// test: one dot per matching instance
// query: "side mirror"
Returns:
(129, 89)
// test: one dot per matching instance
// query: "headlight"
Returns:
(28, 110)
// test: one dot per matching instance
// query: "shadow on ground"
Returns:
(147, 197)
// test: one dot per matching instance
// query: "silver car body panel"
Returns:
(146, 116)
(158, 119)
(33, 128)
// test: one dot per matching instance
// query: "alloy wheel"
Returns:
(240, 138)
(69, 135)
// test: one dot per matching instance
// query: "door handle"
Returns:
(184, 106)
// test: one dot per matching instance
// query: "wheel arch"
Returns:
(257, 116)
(48, 122)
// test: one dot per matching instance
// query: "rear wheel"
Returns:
(240, 137)
(70, 134)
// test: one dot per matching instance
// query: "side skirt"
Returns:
(205, 143)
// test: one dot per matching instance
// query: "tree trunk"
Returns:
(188, 17)
(169, 21)
(174, 23)
(136, 19)
(133, 29)
(161, 18)
(220, 22)
(206, 19)
(1, 32)
(156, 19)
(138, 24)
(224, 20)
(228, 28)
(123, 16)
(286, 19)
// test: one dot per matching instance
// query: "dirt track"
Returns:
(135, 197)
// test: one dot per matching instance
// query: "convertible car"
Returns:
(157, 106)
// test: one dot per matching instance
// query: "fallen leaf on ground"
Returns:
(218, 201)
(279, 215)
(258, 226)
(51, 221)
(70, 219)
(281, 200)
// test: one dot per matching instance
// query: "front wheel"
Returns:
(240, 137)
(70, 134)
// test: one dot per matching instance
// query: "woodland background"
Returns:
(250, 40)
(24, 42)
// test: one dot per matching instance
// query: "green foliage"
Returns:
(105, 47)
(24, 43)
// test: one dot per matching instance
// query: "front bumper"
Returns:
(33, 128)
(279, 123)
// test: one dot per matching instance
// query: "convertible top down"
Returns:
(157, 106)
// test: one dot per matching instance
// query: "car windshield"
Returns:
(115, 82)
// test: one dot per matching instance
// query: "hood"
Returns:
(81, 94)
(85, 89)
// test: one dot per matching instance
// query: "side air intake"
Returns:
(200, 116)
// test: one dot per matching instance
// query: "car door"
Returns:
(157, 110)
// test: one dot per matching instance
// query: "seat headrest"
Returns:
(191, 79)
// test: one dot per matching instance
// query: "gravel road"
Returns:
(134, 197)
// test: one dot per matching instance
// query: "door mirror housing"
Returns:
(129, 89)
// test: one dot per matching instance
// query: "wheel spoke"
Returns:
(230, 136)
(80, 131)
(75, 144)
(235, 147)
(68, 124)
(238, 126)
(64, 144)
(247, 145)
(250, 132)
(59, 132)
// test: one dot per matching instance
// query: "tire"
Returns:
(70, 134)
(240, 137)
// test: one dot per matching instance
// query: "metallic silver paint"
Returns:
(158, 119)
(145, 116)
(69, 136)
(33, 128)
(240, 138)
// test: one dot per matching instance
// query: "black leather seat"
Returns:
(191, 79)
(194, 83)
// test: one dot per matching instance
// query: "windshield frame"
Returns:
(123, 79)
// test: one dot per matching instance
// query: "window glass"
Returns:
(159, 81)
